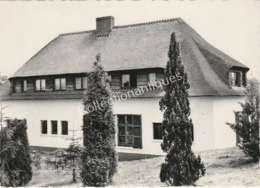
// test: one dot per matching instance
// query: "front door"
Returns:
(129, 131)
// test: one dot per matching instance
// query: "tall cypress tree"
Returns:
(99, 158)
(181, 166)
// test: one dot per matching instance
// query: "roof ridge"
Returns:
(126, 26)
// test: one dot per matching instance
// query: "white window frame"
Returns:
(41, 86)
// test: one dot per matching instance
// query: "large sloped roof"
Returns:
(137, 46)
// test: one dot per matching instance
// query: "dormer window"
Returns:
(60, 84)
(237, 78)
(40, 85)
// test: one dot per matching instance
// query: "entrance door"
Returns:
(129, 131)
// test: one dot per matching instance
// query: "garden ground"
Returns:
(225, 167)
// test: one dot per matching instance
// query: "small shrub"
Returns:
(36, 159)
(15, 158)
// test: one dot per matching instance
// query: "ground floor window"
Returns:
(64, 127)
(129, 131)
(44, 127)
(157, 131)
(54, 127)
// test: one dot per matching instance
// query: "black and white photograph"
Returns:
(129, 93)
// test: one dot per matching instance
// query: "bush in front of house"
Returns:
(99, 158)
(247, 124)
(15, 164)
(181, 166)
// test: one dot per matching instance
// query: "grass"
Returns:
(226, 167)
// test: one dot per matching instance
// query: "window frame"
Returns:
(60, 84)
(24, 86)
(62, 128)
(56, 126)
(41, 85)
(149, 78)
(236, 72)
(83, 83)
(46, 127)
(129, 78)
(156, 123)
(126, 126)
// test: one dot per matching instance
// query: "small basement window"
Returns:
(44, 127)
(64, 127)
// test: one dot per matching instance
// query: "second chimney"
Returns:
(104, 24)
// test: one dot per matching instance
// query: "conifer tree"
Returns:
(247, 124)
(15, 163)
(99, 158)
(181, 166)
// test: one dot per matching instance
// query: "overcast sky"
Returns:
(26, 27)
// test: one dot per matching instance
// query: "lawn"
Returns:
(226, 167)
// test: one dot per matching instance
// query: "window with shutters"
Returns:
(130, 131)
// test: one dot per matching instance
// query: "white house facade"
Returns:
(48, 89)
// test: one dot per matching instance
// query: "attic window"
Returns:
(40, 85)
(81, 82)
(60, 84)
(236, 78)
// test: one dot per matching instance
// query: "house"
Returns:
(48, 89)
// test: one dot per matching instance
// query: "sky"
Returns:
(232, 26)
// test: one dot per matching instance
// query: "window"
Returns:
(44, 127)
(152, 77)
(78, 83)
(236, 78)
(64, 127)
(40, 85)
(85, 82)
(129, 80)
(157, 131)
(81, 82)
(54, 127)
(60, 84)
(25, 85)
(125, 80)
(129, 131)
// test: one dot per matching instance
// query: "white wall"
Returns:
(224, 108)
(36, 110)
(208, 114)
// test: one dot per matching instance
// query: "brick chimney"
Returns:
(104, 24)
